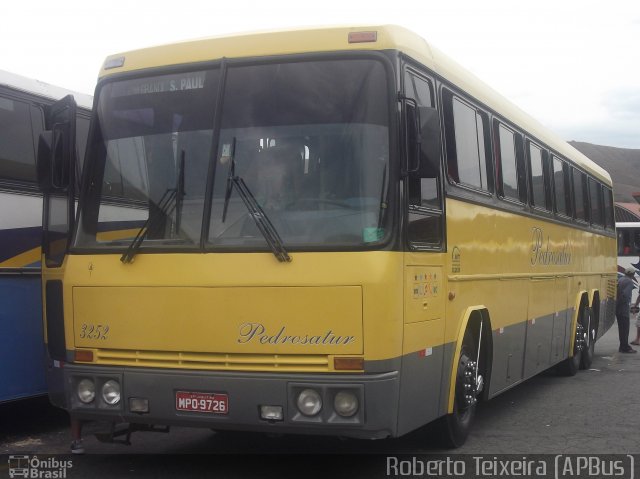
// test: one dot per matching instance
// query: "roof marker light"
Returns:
(363, 37)
(115, 62)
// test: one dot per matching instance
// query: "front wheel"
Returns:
(455, 427)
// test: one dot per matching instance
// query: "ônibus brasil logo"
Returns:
(36, 468)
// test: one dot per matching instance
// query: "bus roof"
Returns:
(329, 39)
(42, 89)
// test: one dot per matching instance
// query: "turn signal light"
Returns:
(348, 364)
(83, 355)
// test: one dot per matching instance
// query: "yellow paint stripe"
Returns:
(23, 259)
(116, 235)
(34, 255)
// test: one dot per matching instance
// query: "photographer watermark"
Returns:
(519, 466)
(38, 468)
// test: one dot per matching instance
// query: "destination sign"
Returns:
(160, 84)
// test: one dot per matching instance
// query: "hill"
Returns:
(622, 164)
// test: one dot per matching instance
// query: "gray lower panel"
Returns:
(525, 349)
(246, 392)
(420, 387)
(508, 355)
(539, 343)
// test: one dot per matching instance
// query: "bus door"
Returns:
(424, 319)
(56, 177)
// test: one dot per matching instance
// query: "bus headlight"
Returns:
(309, 402)
(86, 391)
(345, 403)
(111, 392)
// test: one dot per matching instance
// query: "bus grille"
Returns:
(611, 288)
(212, 361)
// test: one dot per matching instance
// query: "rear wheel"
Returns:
(589, 346)
(570, 366)
(455, 427)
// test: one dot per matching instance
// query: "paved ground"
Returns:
(594, 412)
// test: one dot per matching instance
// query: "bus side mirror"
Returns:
(43, 161)
(430, 143)
(54, 159)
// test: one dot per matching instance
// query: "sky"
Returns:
(574, 65)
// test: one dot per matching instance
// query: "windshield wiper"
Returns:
(163, 209)
(171, 200)
(256, 212)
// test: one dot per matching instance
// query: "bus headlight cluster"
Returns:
(345, 403)
(111, 392)
(86, 391)
(309, 402)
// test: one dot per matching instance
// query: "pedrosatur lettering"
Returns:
(542, 253)
(256, 332)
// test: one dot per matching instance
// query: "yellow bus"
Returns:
(331, 231)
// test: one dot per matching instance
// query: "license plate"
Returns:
(202, 402)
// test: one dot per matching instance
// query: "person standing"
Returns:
(626, 285)
(635, 310)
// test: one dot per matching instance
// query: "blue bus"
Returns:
(23, 107)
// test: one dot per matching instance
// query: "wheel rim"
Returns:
(466, 387)
(581, 341)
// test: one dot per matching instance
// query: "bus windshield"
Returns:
(310, 139)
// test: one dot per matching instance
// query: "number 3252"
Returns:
(94, 331)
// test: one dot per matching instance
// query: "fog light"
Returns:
(345, 403)
(271, 413)
(86, 391)
(140, 405)
(309, 402)
(111, 392)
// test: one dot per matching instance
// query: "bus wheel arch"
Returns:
(468, 376)
(571, 365)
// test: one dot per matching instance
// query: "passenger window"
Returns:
(17, 155)
(579, 195)
(608, 208)
(595, 196)
(467, 143)
(563, 206)
(628, 242)
(511, 168)
(539, 185)
(507, 164)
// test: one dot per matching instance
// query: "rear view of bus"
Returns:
(261, 244)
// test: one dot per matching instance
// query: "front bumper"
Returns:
(377, 393)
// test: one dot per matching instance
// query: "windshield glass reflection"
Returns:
(309, 139)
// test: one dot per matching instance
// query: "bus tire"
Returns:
(570, 366)
(588, 350)
(455, 427)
